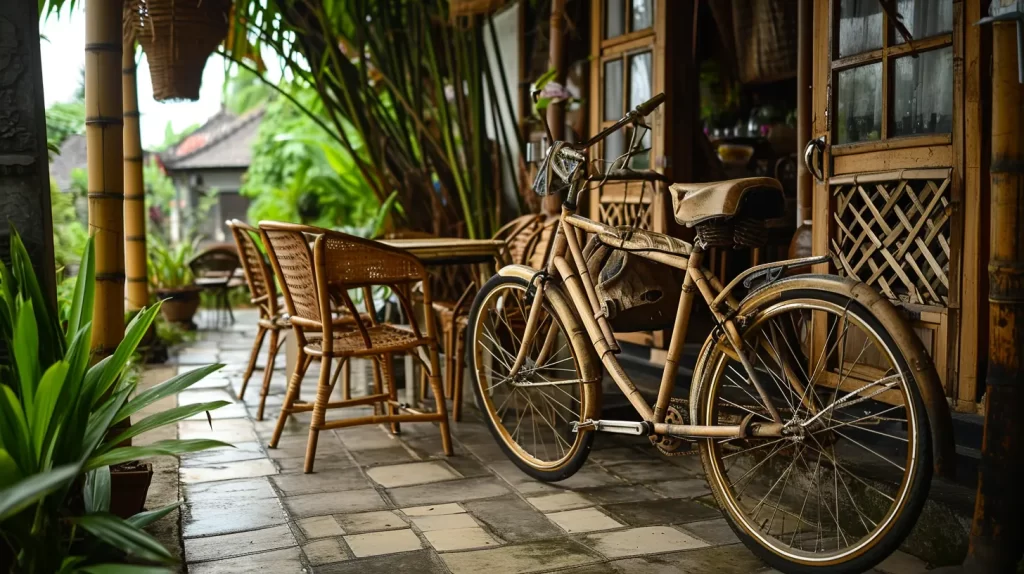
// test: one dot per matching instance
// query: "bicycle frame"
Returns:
(581, 290)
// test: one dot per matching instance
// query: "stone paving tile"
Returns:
(589, 477)
(614, 494)
(902, 563)
(387, 542)
(519, 480)
(228, 471)
(653, 471)
(196, 357)
(418, 561)
(281, 561)
(370, 521)
(583, 520)
(720, 560)
(443, 522)
(460, 539)
(715, 532)
(465, 465)
(392, 455)
(345, 502)
(325, 551)
(560, 501)
(653, 512)
(320, 527)
(617, 455)
(238, 544)
(230, 431)
(450, 491)
(240, 451)
(327, 462)
(239, 491)
(210, 517)
(366, 438)
(412, 473)
(433, 510)
(520, 558)
(234, 410)
(511, 518)
(322, 482)
(682, 488)
(639, 541)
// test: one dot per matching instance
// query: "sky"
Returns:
(63, 56)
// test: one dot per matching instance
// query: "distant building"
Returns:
(212, 159)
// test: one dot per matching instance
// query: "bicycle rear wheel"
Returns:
(845, 484)
(533, 414)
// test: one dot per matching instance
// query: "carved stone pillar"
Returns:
(24, 168)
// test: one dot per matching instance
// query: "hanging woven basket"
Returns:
(178, 37)
(474, 7)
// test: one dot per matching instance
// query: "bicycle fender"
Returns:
(940, 421)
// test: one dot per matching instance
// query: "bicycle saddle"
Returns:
(693, 203)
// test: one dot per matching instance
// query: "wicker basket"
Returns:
(178, 37)
(737, 232)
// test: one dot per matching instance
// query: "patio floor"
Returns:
(384, 503)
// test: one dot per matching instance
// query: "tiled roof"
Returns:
(225, 141)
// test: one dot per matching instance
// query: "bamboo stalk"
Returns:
(137, 286)
(556, 111)
(104, 155)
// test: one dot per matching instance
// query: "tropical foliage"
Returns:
(63, 424)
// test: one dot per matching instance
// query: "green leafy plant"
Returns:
(63, 423)
(168, 263)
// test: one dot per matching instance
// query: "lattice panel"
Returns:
(619, 213)
(892, 232)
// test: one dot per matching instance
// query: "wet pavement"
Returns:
(394, 503)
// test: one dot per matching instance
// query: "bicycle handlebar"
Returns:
(647, 107)
(633, 116)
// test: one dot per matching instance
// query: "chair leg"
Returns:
(323, 396)
(442, 408)
(256, 344)
(378, 383)
(346, 380)
(449, 360)
(227, 303)
(423, 384)
(268, 373)
(460, 371)
(290, 396)
(389, 377)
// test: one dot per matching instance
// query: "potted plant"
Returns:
(64, 424)
(172, 280)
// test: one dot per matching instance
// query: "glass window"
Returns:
(923, 93)
(640, 160)
(613, 109)
(614, 18)
(642, 15)
(614, 146)
(860, 26)
(859, 116)
(639, 79)
(924, 18)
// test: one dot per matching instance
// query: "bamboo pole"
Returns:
(103, 133)
(996, 532)
(137, 287)
(556, 111)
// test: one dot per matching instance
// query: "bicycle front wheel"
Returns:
(844, 485)
(533, 414)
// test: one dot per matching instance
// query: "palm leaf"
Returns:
(97, 490)
(165, 389)
(124, 536)
(29, 490)
(160, 448)
(158, 420)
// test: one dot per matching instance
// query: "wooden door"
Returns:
(890, 208)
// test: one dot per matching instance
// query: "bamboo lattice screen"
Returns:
(893, 232)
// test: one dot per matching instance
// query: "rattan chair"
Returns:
(214, 270)
(310, 280)
(263, 294)
(521, 235)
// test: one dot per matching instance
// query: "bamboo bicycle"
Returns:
(806, 401)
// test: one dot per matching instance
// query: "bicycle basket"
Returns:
(557, 169)
(638, 294)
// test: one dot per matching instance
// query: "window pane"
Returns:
(643, 15)
(639, 79)
(613, 90)
(614, 18)
(860, 26)
(860, 104)
(923, 93)
(924, 18)
(641, 160)
(614, 146)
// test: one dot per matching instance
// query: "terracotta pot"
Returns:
(180, 305)
(129, 485)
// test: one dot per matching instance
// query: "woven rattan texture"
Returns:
(383, 338)
(296, 262)
(894, 235)
(178, 36)
(257, 273)
(352, 263)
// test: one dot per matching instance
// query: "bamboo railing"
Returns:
(136, 287)
(104, 137)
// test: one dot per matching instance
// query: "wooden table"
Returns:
(450, 250)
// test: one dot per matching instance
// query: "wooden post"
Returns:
(104, 154)
(804, 105)
(137, 287)
(556, 111)
(996, 534)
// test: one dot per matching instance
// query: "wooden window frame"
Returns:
(629, 35)
(887, 56)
